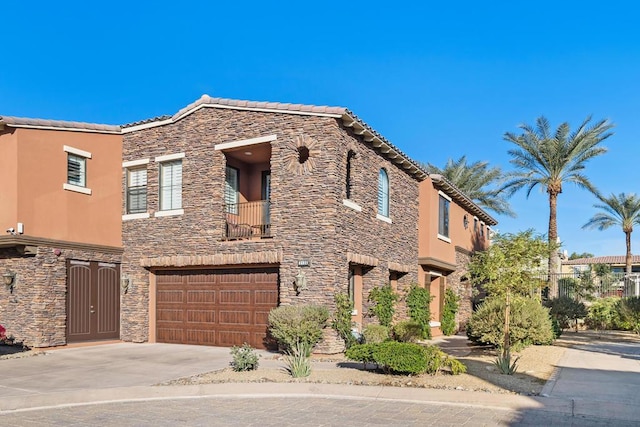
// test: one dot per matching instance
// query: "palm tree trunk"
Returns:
(627, 259)
(553, 235)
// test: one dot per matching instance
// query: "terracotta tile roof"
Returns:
(611, 259)
(57, 124)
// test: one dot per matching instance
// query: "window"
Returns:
(443, 218)
(383, 193)
(231, 196)
(76, 170)
(171, 185)
(136, 190)
(349, 183)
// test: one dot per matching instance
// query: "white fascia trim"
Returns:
(261, 110)
(76, 188)
(434, 324)
(173, 212)
(133, 163)
(446, 196)
(444, 238)
(146, 126)
(348, 203)
(111, 132)
(128, 217)
(168, 157)
(384, 218)
(77, 151)
(244, 142)
(226, 107)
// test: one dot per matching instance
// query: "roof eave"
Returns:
(386, 148)
(455, 193)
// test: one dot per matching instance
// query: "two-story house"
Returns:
(190, 228)
(61, 239)
(235, 207)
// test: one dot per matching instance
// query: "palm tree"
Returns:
(622, 210)
(475, 180)
(549, 160)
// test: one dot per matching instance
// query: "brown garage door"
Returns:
(215, 307)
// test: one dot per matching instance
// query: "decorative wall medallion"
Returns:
(300, 155)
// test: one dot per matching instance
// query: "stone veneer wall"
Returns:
(309, 220)
(459, 282)
(35, 313)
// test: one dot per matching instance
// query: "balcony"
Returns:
(250, 220)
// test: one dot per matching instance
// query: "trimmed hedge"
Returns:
(292, 324)
(529, 323)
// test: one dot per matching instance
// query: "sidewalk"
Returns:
(597, 380)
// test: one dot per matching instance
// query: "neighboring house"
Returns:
(617, 263)
(230, 208)
(451, 228)
(59, 204)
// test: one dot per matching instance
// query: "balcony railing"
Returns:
(247, 220)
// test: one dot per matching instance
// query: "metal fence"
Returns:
(587, 285)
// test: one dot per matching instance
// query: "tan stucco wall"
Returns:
(429, 245)
(49, 211)
(8, 180)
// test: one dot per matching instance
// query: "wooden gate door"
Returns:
(93, 301)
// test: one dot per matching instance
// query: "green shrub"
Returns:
(361, 353)
(375, 333)
(405, 358)
(297, 360)
(400, 357)
(603, 314)
(456, 366)
(384, 299)
(566, 310)
(418, 300)
(407, 331)
(342, 319)
(290, 324)
(448, 324)
(629, 311)
(244, 358)
(529, 323)
(555, 327)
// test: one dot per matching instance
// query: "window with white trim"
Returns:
(383, 193)
(171, 185)
(136, 201)
(231, 193)
(76, 170)
(443, 216)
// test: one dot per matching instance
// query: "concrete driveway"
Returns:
(106, 366)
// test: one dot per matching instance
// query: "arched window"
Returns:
(383, 193)
(349, 181)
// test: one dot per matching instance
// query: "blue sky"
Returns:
(438, 79)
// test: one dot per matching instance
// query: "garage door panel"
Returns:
(199, 336)
(265, 297)
(167, 315)
(261, 318)
(170, 296)
(201, 316)
(231, 338)
(240, 318)
(219, 307)
(235, 297)
(201, 296)
(169, 335)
